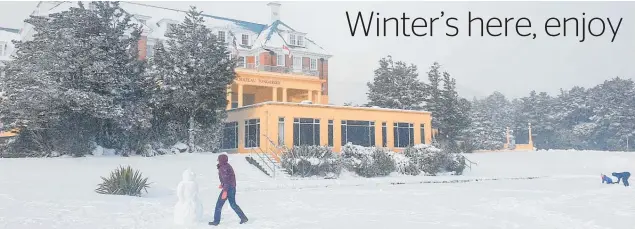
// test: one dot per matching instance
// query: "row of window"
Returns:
(221, 35)
(282, 61)
(306, 131)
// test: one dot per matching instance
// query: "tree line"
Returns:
(597, 118)
(80, 83)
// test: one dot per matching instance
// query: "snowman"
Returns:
(188, 210)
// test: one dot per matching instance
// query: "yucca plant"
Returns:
(123, 181)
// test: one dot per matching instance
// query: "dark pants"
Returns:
(625, 179)
(231, 196)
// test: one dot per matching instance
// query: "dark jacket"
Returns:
(226, 173)
(606, 179)
(620, 176)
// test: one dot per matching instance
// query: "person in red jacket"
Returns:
(228, 186)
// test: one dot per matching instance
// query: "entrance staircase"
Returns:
(268, 160)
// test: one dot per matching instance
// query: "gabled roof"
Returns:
(272, 36)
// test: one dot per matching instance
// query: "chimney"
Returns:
(275, 11)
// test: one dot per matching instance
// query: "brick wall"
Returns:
(323, 67)
(143, 46)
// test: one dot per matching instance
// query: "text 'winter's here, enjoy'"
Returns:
(406, 26)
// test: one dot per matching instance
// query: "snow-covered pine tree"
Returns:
(193, 70)
(613, 104)
(68, 84)
(482, 131)
(396, 86)
(572, 113)
(433, 101)
(455, 110)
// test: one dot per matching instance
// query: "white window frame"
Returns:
(297, 66)
(300, 40)
(283, 62)
(292, 39)
(224, 39)
(242, 39)
(244, 61)
(311, 66)
(257, 59)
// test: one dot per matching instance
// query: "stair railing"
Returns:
(265, 160)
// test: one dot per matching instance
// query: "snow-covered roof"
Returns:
(328, 106)
(155, 21)
(272, 37)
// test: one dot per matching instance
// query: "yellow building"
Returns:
(270, 109)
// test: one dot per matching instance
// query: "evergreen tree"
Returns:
(490, 118)
(193, 71)
(613, 104)
(454, 110)
(396, 86)
(434, 100)
(73, 83)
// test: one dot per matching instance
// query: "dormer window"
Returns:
(222, 36)
(296, 39)
(244, 39)
(300, 40)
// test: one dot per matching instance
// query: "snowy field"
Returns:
(568, 194)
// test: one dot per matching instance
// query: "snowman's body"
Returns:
(188, 210)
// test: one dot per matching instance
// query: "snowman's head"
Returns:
(188, 175)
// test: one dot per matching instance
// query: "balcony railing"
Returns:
(280, 69)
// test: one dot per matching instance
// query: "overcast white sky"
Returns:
(511, 65)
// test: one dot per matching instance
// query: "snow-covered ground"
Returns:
(568, 194)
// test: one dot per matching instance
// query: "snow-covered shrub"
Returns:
(307, 161)
(179, 148)
(123, 181)
(432, 160)
(368, 161)
(403, 165)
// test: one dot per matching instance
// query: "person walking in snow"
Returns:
(228, 186)
(622, 176)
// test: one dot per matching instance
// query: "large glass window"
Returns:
(252, 133)
(403, 134)
(281, 131)
(360, 133)
(306, 131)
(230, 136)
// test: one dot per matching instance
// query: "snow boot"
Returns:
(213, 223)
(243, 221)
